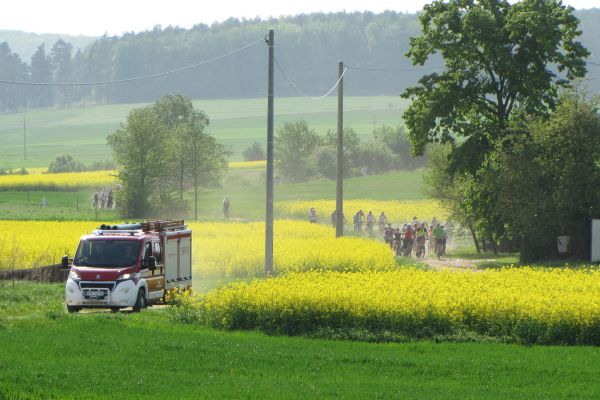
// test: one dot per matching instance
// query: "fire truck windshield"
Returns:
(107, 253)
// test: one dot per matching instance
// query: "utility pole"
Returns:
(269, 205)
(339, 199)
(24, 140)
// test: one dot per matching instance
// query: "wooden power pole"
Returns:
(24, 139)
(339, 199)
(269, 205)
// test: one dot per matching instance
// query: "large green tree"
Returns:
(139, 149)
(499, 58)
(40, 71)
(164, 151)
(550, 174)
(63, 70)
(295, 146)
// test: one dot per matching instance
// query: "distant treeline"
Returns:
(308, 48)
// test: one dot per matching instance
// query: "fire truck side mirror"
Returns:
(65, 261)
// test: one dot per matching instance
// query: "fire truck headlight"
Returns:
(124, 277)
(74, 275)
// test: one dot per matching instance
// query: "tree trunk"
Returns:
(494, 245)
(195, 197)
(474, 235)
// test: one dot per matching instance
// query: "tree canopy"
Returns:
(163, 150)
(498, 60)
(550, 171)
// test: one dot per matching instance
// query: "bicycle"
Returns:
(420, 250)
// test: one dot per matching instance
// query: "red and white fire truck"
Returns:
(129, 265)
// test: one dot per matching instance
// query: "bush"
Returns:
(65, 163)
(254, 153)
(375, 157)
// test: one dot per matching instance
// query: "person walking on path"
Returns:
(103, 198)
(226, 207)
(312, 215)
(109, 199)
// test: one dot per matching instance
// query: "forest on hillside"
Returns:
(307, 47)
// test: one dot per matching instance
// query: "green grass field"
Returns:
(245, 188)
(15, 205)
(238, 123)
(47, 354)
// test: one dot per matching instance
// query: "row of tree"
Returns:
(302, 154)
(520, 149)
(308, 47)
(163, 152)
(66, 163)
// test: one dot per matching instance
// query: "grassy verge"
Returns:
(103, 355)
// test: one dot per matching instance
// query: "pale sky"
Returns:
(114, 17)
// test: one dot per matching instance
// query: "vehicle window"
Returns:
(148, 250)
(106, 253)
(157, 251)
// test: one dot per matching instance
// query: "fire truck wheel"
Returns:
(73, 309)
(140, 302)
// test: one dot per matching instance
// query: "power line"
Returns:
(392, 69)
(593, 63)
(137, 78)
(301, 93)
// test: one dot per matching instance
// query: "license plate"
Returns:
(94, 294)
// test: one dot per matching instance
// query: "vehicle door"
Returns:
(154, 277)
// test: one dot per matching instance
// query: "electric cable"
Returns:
(137, 78)
(392, 69)
(301, 93)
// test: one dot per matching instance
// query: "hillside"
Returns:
(82, 132)
(307, 47)
(25, 43)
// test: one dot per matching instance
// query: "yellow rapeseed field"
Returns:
(67, 180)
(396, 211)
(247, 164)
(30, 244)
(523, 304)
(219, 249)
(237, 249)
(38, 180)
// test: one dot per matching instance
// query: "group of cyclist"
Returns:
(360, 219)
(414, 236)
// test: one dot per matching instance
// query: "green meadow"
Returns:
(81, 132)
(48, 354)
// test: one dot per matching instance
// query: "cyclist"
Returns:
(440, 240)
(370, 222)
(388, 235)
(407, 240)
(421, 235)
(382, 222)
